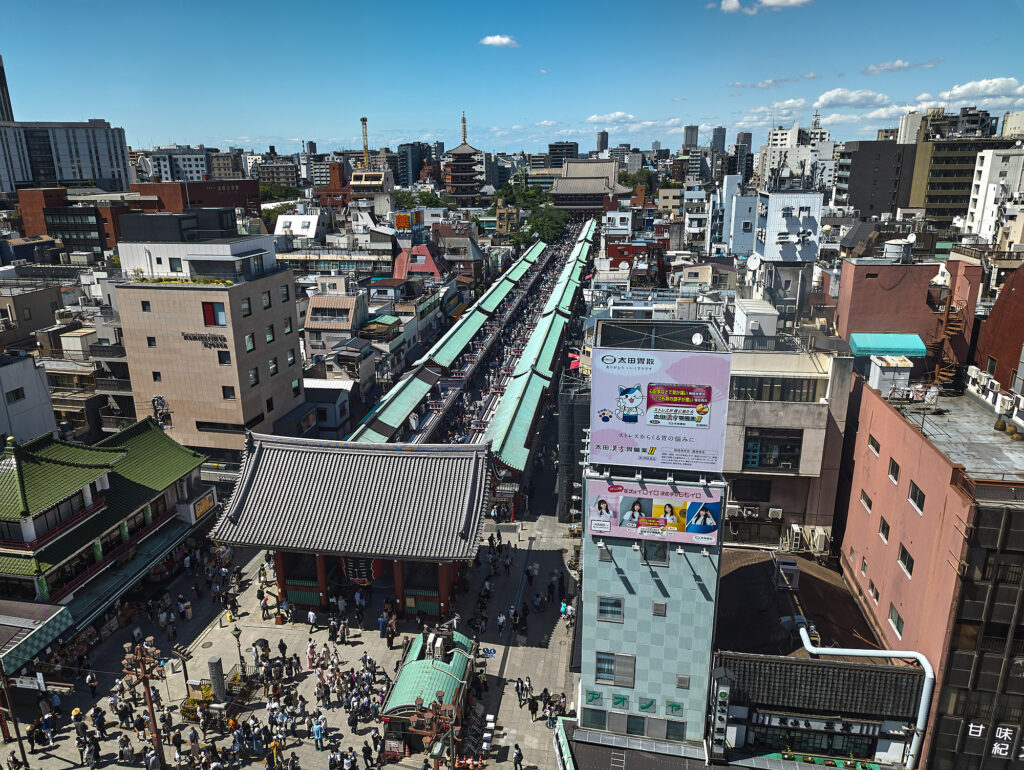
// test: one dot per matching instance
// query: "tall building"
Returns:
(602, 141)
(744, 138)
(411, 157)
(871, 176)
(651, 545)
(464, 172)
(690, 134)
(998, 179)
(718, 140)
(180, 163)
(6, 112)
(559, 152)
(35, 154)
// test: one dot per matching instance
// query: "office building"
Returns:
(998, 180)
(283, 173)
(559, 152)
(651, 545)
(6, 112)
(602, 141)
(179, 163)
(28, 411)
(1013, 124)
(411, 157)
(40, 154)
(872, 176)
(718, 140)
(744, 138)
(690, 136)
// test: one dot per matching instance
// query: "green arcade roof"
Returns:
(458, 337)
(509, 429)
(909, 345)
(420, 677)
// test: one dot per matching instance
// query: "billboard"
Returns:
(677, 513)
(659, 408)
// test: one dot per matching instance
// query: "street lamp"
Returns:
(237, 633)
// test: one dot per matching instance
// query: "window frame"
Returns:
(645, 560)
(910, 497)
(246, 307)
(619, 662)
(250, 342)
(873, 445)
(254, 376)
(220, 358)
(865, 501)
(906, 560)
(898, 624)
(211, 317)
(883, 524)
(266, 300)
(611, 617)
(895, 479)
(227, 393)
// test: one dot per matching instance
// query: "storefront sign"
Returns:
(671, 707)
(647, 704)
(1003, 739)
(208, 340)
(620, 701)
(659, 408)
(204, 504)
(679, 513)
(594, 698)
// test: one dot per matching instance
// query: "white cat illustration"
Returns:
(630, 405)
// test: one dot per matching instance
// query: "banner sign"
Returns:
(678, 513)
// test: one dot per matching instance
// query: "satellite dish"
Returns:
(753, 263)
(912, 238)
(697, 338)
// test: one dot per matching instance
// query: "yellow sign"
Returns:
(204, 504)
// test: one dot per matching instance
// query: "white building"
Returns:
(741, 225)
(998, 179)
(245, 257)
(180, 163)
(1013, 124)
(26, 411)
(306, 228)
(62, 154)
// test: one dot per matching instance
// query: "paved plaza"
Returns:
(538, 542)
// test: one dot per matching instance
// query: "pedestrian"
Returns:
(391, 635)
(519, 691)
(265, 608)
(90, 679)
(551, 592)
(529, 575)
(534, 707)
(318, 736)
(517, 758)
(311, 617)
(283, 648)
(508, 565)
(367, 755)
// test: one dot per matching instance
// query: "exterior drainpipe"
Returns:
(926, 691)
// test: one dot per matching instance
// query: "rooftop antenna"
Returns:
(463, 126)
(366, 146)
(816, 123)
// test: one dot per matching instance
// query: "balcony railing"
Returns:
(81, 579)
(115, 422)
(97, 504)
(115, 384)
(106, 351)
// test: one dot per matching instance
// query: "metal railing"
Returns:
(115, 422)
(97, 350)
(118, 384)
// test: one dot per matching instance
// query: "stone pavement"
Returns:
(542, 654)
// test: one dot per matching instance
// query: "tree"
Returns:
(430, 200)
(644, 176)
(277, 192)
(270, 215)
(547, 221)
(405, 199)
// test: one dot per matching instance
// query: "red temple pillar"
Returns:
(444, 588)
(321, 578)
(399, 587)
(280, 574)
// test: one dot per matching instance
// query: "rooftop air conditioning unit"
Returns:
(439, 648)
(732, 511)
(995, 385)
(972, 372)
(983, 378)
(774, 514)
(819, 540)
(751, 511)
(430, 645)
(1004, 403)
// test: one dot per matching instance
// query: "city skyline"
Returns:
(521, 84)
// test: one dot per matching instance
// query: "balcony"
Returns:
(114, 422)
(106, 352)
(113, 385)
(18, 545)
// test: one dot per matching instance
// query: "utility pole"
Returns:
(143, 663)
(10, 711)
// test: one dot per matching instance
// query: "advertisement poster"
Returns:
(659, 408)
(678, 513)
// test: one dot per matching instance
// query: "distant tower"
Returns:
(745, 138)
(816, 122)
(718, 140)
(6, 113)
(463, 126)
(602, 141)
(690, 134)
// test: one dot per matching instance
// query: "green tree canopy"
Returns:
(644, 176)
(270, 215)
(277, 192)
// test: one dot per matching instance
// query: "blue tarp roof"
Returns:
(909, 345)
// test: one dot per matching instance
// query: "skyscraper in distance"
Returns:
(602, 141)
(6, 113)
(745, 138)
(690, 136)
(718, 140)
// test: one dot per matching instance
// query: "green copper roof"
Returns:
(422, 678)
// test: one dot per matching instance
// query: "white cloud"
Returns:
(809, 76)
(836, 117)
(542, 71)
(976, 89)
(783, 3)
(732, 6)
(517, 128)
(844, 97)
(611, 117)
(544, 123)
(499, 41)
(887, 66)
(679, 98)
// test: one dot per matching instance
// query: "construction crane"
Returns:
(366, 147)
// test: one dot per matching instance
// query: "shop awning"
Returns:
(909, 345)
(28, 627)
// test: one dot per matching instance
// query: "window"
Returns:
(224, 357)
(151, 342)
(609, 608)
(250, 342)
(174, 264)
(596, 719)
(798, 389)
(873, 444)
(659, 609)
(254, 377)
(894, 471)
(266, 300)
(146, 307)
(772, 448)
(682, 681)
(895, 620)
(635, 725)
(990, 365)
(284, 293)
(675, 730)
(615, 668)
(26, 313)
(16, 395)
(296, 387)
(213, 314)
(654, 553)
(883, 530)
(603, 554)
(157, 377)
(269, 332)
(246, 307)
(916, 497)
(873, 590)
(270, 405)
(227, 392)
(906, 560)
(863, 565)
(747, 226)
(291, 357)
(288, 325)
(272, 365)
(865, 500)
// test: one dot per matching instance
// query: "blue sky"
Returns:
(258, 73)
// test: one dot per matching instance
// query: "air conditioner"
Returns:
(751, 511)
(1019, 402)
(972, 372)
(1003, 404)
(995, 385)
(439, 649)
(795, 537)
(983, 378)
(774, 514)
(732, 511)
(429, 650)
(819, 539)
